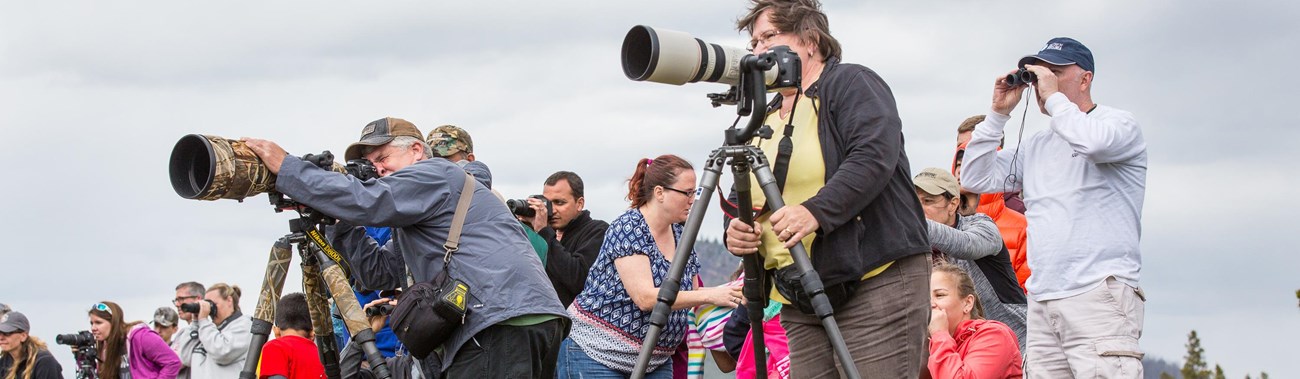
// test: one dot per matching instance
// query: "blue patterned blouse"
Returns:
(606, 323)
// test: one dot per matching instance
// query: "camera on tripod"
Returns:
(194, 307)
(83, 351)
(80, 339)
(520, 207)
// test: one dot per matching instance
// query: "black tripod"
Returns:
(751, 94)
(322, 276)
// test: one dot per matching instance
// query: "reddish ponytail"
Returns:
(661, 171)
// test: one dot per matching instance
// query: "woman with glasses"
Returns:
(24, 356)
(845, 180)
(129, 350)
(611, 314)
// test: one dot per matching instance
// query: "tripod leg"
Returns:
(276, 268)
(352, 315)
(812, 283)
(318, 306)
(755, 288)
(685, 246)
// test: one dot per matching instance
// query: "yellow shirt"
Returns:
(806, 174)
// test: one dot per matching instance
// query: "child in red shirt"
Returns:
(292, 354)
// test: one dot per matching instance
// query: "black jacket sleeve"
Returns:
(567, 268)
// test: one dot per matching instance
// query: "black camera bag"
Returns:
(789, 283)
(429, 312)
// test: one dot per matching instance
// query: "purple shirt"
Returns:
(150, 357)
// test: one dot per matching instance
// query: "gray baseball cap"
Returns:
(14, 322)
(165, 316)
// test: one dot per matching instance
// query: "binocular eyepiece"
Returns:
(1021, 77)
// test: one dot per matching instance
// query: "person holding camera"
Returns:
(573, 238)
(612, 312)
(845, 179)
(22, 355)
(400, 366)
(131, 348)
(513, 322)
(1083, 181)
(223, 333)
(186, 339)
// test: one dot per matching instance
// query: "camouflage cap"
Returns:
(449, 139)
(380, 132)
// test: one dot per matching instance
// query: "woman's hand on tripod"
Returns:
(792, 223)
(743, 239)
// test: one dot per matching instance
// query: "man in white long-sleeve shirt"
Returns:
(1083, 182)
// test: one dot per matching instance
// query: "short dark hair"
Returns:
(291, 312)
(575, 182)
(804, 18)
(193, 288)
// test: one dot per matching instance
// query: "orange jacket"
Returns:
(1010, 222)
(1012, 225)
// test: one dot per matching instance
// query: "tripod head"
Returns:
(751, 93)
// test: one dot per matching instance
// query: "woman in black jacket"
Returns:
(850, 202)
(25, 356)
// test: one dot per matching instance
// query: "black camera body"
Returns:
(83, 351)
(362, 169)
(379, 310)
(1021, 77)
(78, 339)
(520, 206)
(194, 307)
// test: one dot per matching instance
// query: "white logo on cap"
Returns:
(1054, 46)
(367, 130)
(4, 318)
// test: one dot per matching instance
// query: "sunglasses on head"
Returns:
(102, 308)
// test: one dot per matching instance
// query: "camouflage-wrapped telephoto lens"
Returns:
(211, 167)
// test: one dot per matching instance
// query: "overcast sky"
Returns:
(94, 94)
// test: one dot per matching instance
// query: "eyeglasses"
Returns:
(102, 308)
(178, 300)
(763, 38)
(687, 193)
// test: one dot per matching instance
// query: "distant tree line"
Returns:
(1195, 365)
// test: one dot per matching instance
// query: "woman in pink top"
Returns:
(962, 343)
(132, 347)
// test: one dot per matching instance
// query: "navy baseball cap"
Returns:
(1062, 51)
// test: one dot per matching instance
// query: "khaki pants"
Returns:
(1090, 335)
(883, 324)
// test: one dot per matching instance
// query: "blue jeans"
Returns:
(576, 364)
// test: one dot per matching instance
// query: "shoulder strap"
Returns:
(458, 220)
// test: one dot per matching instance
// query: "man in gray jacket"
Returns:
(515, 322)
